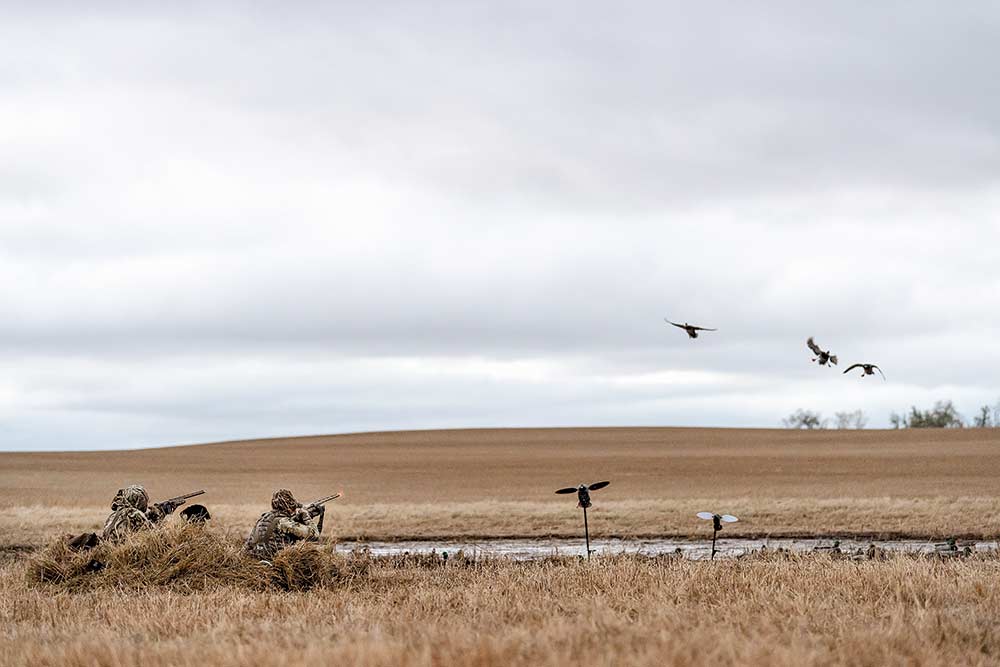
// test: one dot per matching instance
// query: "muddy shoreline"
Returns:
(690, 547)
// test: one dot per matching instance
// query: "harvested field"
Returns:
(930, 483)
(527, 464)
(184, 596)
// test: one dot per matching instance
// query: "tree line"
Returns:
(942, 415)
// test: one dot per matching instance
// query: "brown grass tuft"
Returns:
(188, 558)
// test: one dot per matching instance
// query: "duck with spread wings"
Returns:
(692, 330)
(869, 369)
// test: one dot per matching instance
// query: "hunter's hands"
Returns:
(315, 510)
(168, 506)
(302, 515)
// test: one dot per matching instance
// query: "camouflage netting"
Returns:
(190, 557)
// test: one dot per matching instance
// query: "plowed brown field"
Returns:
(932, 483)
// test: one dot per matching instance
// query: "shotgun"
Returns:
(170, 504)
(316, 508)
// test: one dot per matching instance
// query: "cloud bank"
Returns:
(243, 221)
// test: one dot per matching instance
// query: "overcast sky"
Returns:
(262, 219)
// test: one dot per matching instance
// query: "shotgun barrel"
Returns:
(185, 496)
(193, 494)
(323, 501)
(316, 508)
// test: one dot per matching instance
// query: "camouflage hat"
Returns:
(131, 496)
(284, 501)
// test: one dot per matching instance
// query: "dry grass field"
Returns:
(195, 602)
(479, 483)
(159, 603)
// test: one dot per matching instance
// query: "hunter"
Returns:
(287, 522)
(130, 512)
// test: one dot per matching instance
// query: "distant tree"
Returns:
(988, 417)
(942, 415)
(806, 419)
(855, 419)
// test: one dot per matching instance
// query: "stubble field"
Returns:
(629, 610)
(479, 483)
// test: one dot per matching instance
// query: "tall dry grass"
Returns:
(611, 611)
(195, 558)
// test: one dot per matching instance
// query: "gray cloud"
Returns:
(237, 221)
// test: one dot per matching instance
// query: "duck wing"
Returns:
(813, 346)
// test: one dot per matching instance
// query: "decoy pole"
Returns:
(583, 495)
(717, 520)
(715, 533)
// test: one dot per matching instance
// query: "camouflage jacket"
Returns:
(129, 520)
(129, 513)
(276, 530)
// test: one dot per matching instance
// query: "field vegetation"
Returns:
(933, 483)
(183, 597)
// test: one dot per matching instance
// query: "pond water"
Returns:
(534, 548)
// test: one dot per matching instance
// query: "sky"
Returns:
(238, 220)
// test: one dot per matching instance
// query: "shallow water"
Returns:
(533, 548)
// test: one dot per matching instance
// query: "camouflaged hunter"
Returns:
(130, 512)
(287, 523)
